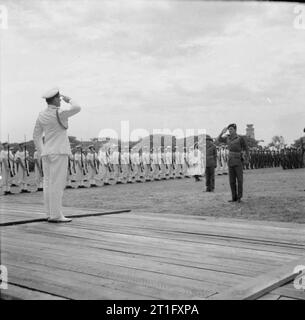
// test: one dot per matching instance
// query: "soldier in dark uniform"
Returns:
(236, 144)
(211, 163)
(283, 159)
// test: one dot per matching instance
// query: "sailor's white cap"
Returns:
(51, 93)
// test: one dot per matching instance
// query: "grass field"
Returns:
(269, 194)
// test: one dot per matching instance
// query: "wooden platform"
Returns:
(144, 256)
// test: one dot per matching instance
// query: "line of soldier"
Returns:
(89, 168)
(14, 168)
(291, 158)
(108, 165)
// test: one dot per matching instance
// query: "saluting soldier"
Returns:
(235, 144)
(53, 122)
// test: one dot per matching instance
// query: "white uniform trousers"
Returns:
(38, 177)
(22, 178)
(6, 180)
(55, 174)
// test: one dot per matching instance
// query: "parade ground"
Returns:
(159, 240)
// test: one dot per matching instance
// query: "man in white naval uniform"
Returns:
(53, 123)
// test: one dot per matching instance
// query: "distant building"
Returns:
(250, 131)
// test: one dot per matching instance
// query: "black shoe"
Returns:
(25, 191)
(69, 187)
(93, 185)
(82, 187)
(6, 193)
(41, 189)
(239, 200)
(14, 185)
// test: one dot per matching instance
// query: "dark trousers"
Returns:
(210, 178)
(236, 175)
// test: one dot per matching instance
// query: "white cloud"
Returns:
(178, 63)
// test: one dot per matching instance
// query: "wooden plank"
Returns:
(269, 296)
(263, 284)
(74, 216)
(16, 292)
(144, 245)
(290, 292)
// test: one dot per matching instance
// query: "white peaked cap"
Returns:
(51, 93)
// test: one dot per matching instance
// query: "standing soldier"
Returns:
(225, 160)
(146, 163)
(211, 162)
(141, 165)
(195, 160)
(38, 172)
(169, 162)
(135, 164)
(92, 166)
(219, 164)
(235, 144)
(185, 162)
(80, 167)
(124, 164)
(176, 163)
(23, 174)
(7, 169)
(103, 170)
(70, 172)
(115, 161)
(155, 164)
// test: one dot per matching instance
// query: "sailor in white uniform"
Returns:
(53, 123)
(23, 174)
(92, 166)
(7, 172)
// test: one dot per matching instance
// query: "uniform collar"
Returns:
(51, 106)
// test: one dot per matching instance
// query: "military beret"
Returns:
(233, 125)
(207, 137)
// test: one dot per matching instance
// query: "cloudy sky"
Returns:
(157, 64)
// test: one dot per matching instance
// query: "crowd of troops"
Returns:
(288, 158)
(89, 167)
